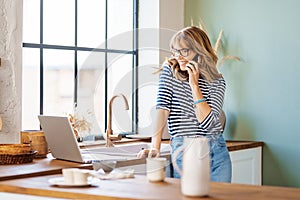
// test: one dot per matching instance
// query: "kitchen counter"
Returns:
(235, 145)
(39, 167)
(47, 166)
(232, 145)
(140, 188)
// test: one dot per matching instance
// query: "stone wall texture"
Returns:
(10, 70)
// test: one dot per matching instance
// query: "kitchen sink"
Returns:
(128, 150)
(123, 155)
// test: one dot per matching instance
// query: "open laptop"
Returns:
(63, 144)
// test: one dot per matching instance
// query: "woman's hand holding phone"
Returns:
(192, 68)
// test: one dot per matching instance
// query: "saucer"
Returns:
(59, 181)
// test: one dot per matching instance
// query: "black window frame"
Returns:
(41, 46)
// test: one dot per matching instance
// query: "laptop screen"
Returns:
(60, 138)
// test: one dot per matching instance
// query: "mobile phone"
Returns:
(195, 58)
(185, 73)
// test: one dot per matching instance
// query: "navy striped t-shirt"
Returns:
(176, 97)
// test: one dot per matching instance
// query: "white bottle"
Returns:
(195, 174)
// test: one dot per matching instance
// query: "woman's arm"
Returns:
(202, 109)
(160, 125)
(163, 105)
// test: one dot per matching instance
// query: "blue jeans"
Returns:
(220, 163)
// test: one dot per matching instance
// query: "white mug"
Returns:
(68, 175)
(156, 169)
(75, 176)
(80, 176)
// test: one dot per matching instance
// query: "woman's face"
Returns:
(183, 55)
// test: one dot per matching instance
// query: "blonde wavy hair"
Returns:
(197, 40)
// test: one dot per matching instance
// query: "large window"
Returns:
(77, 54)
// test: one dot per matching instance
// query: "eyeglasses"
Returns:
(183, 52)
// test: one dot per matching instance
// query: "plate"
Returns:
(59, 181)
(135, 136)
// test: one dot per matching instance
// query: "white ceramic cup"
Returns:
(68, 175)
(156, 169)
(81, 176)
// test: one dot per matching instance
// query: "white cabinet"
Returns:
(246, 166)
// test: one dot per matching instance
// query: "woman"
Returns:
(190, 97)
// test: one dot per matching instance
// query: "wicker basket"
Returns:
(14, 148)
(16, 154)
(37, 141)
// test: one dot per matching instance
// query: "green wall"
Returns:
(262, 98)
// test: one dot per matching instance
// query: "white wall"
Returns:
(158, 21)
(265, 35)
(11, 69)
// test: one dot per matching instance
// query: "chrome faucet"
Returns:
(110, 137)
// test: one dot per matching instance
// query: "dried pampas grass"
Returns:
(201, 25)
(80, 123)
(218, 45)
(218, 42)
(224, 58)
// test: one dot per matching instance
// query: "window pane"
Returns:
(120, 24)
(59, 29)
(30, 89)
(148, 84)
(91, 23)
(59, 22)
(31, 21)
(120, 81)
(58, 82)
(91, 87)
